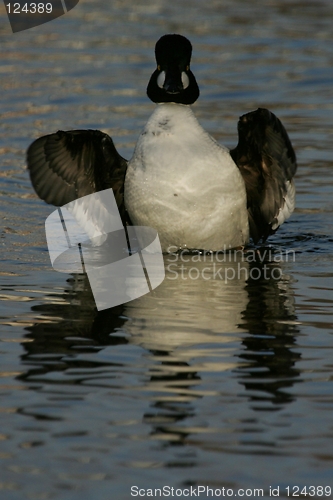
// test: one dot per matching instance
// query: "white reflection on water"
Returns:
(192, 325)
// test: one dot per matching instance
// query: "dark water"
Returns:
(223, 376)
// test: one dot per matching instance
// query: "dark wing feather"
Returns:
(68, 165)
(267, 161)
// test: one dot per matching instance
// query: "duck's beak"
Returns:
(173, 81)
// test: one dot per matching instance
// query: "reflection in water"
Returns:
(205, 318)
(64, 325)
(271, 322)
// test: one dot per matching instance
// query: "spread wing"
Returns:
(267, 162)
(65, 166)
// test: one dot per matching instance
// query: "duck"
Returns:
(196, 193)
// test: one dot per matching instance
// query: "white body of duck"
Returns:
(181, 182)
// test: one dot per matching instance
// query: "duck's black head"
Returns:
(173, 81)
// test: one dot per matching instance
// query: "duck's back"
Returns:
(184, 184)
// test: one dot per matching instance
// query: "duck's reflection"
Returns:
(67, 326)
(272, 327)
(207, 317)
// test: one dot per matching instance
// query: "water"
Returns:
(218, 380)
